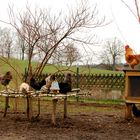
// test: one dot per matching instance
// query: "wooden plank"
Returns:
(128, 111)
(65, 107)
(6, 105)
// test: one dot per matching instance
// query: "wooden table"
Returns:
(38, 94)
(55, 99)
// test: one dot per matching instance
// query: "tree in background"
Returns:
(112, 53)
(21, 46)
(6, 42)
(66, 55)
(45, 33)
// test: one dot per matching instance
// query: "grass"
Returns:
(103, 101)
(73, 106)
(46, 104)
(91, 100)
(20, 66)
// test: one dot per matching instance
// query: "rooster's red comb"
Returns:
(126, 47)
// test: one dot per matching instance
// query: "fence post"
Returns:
(77, 82)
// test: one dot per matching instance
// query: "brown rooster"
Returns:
(131, 58)
(5, 79)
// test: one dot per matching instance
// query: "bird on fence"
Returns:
(135, 110)
(5, 79)
(131, 58)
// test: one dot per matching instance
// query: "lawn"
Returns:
(18, 67)
(21, 65)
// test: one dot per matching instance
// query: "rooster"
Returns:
(131, 58)
(5, 79)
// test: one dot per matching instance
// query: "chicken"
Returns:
(46, 82)
(65, 86)
(50, 83)
(131, 58)
(5, 79)
(135, 111)
(37, 85)
(24, 87)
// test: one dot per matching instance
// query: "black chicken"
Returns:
(135, 111)
(64, 88)
(37, 85)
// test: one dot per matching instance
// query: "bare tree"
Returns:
(135, 11)
(44, 32)
(21, 46)
(6, 41)
(112, 53)
(66, 55)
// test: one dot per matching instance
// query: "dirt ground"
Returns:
(104, 122)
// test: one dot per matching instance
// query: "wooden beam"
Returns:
(128, 111)
(65, 107)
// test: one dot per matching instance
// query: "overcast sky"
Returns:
(124, 25)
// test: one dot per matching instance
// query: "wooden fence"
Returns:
(100, 81)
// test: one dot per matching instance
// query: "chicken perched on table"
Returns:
(131, 58)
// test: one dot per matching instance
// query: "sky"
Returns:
(124, 26)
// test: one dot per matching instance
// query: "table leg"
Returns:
(6, 105)
(29, 107)
(128, 111)
(16, 106)
(54, 101)
(38, 99)
(65, 107)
